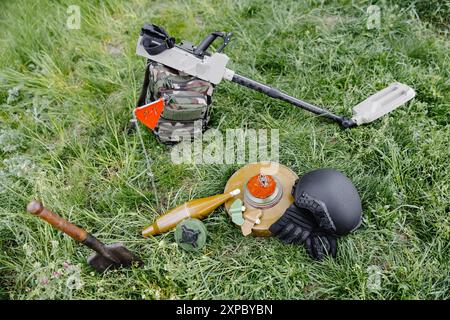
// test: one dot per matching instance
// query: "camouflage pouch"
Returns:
(184, 105)
(187, 102)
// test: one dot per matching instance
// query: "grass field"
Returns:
(67, 96)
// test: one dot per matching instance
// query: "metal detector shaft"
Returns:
(277, 94)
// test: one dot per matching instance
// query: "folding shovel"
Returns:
(105, 256)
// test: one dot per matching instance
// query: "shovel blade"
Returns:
(382, 102)
(125, 258)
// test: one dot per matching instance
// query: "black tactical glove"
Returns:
(293, 226)
(298, 226)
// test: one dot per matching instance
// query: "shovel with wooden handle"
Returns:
(105, 256)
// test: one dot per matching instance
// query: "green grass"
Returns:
(63, 139)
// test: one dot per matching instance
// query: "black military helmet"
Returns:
(331, 198)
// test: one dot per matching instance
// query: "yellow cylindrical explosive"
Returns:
(198, 208)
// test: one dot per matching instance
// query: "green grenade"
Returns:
(190, 234)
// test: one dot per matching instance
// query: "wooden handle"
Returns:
(36, 208)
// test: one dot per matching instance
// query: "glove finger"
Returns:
(279, 225)
(275, 228)
(317, 248)
(286, 232)
(329, 245)
(308, 247)
(305, 235)
(292, 238)
(333, 246)
(325, 244)
(301, 238)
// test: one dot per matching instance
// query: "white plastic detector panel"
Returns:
(382, 102)
(211, 69)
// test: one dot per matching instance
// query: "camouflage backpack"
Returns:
(187, 101)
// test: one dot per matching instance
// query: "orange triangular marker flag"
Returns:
(150, 113)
